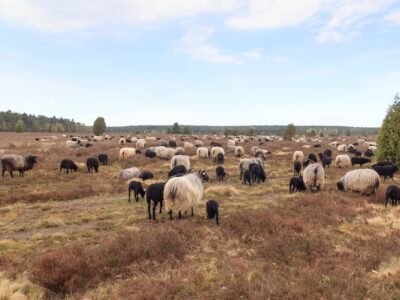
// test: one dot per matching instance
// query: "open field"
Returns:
(77, 236)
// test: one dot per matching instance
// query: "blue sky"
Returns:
(201, 62)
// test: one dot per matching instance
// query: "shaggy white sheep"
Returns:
(365, 181)
(343, 161)
(139, 145)
(126, 153)
(298, 156)
(122, 141)
(342, 148)
(180, 160)
(216, 150)
(179, 151)
(198, 143)
(239, 151)
(72, 144)
(164, 152)
(188, 145)
(245, 163)
(151, 138)
(98, 138)
(314, 176)
(202, 152)
(127, 174)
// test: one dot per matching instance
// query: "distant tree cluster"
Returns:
(177, 129)
(389, 135)
(11, 121)
(290, 132)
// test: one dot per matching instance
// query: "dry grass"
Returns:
(76, 235)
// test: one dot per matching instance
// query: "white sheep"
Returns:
(298, 156)
(245, 163)
(179, 151)
(198, 143)
(127, 174)
(230, 148)
(216, 150)
(342, 148)
(365, 181)
(180, 160)
(188, 145)
(164, 152)
(334, 144)
(184, 193)
(373, 149)
(239, 151)
(72, 144)
(122, 141)
(343, 161)
(151, 138)
(126, 153)
(98, 138)
(202, 152)
(139, 145)
(314, 176)
(231, 142)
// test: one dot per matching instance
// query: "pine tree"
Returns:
(289, 132)
(389, 134)
(99, 126)
(20, 126)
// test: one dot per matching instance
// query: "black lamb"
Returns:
(177, 170)
(220, 171)
(297, 168)
(103, 158)
(392, 195)
(68, 165)
(360, 161)
(386, 171)
(155, 193)
(297, 185)
(137, 189)
(92, 164)
(212, 210)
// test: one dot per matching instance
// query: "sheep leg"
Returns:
(129, 191)
(148, 209)
(192, 212)
(136, 196)
(154, 210)
(2, 172)
(179, 215)
(11, 173)
(170, 214)
(161, 206)
(216, 216)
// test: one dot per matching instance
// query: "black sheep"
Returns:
(306, 163)
(257, 172)
(212, 210)
(150, 154)
(317, 146)
(386, 171)
(220, 171)
(145, 175)
(88, 145)
(138, 190)
(312, 157)
(369, 153)
(327, 152)
(155, 193)
(172, 144)
(247, 177)
(297, 168)
(219, 159)
(392, 194)
(325, 160)
(297, 185)
(103, 158)
(177, 170)
(359, 161)
(68, 165)
(92, 164)
(383, 163)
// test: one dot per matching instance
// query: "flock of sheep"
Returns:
(183, 190)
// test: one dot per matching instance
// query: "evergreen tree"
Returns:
(176, 128)
(99, 126)
(290, 132)
(20, 126)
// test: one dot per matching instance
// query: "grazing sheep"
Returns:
(68, 165)
(297, 168)
(126, 153)
(261, 153)
(122, 141)
(297, 185)
(150, 154)
(162, 143)
(247, 177)
(182, 193)
(129, 173)
(188, 145)
(72, 144)
(155, 193)
(327, 152)
(314, 177)
(140, 145)
(98, 138)
(151, 138)
(92, 164)
(172, 144)
(219, 159)
(298, 156)
(343, 161)
(202, 152)
(216, 150)
(369, 153)
(13, 162)
(365, 181)
(257, 173)
(360, 161)
(312, 157)
(177, 170)
(342, 148)
(245, 163)
(212, 210)
(103, 158)
(146, 175)
(180, 160)
(179, 151)
(239, 151)
(164, 152)
(392, 195)
(383, 163)
(325, 160)
(137, 189)
(386, 171)
(198, 143)
(220, 171)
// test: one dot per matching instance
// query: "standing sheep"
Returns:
(298, 156)
(137, 189)
(182, 193)
(68, 165)
(13, 162)
(127, 174)
(180, 160)
(245, 163)
(212, 210)
(103, 158)
(239, 151)
(92, 164)
(392, 195)
(126, 153)
(342, 148)
(155, 193)
(365, 181)
(202, 152)
(314, 177)
(343, 161)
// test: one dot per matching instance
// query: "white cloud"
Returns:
(266, 14)
(393, 17)
(195, 43)
(254, 54)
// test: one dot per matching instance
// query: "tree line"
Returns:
(12, 121)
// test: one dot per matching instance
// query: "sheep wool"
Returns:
(343, 161)
(364, 181)
(314, 176)
(122, 141)
(202, 152)
(127, 174)
(180, 160)
(342, 148)
(298, 156)
(183, 193)
(216, 150)
(126, 153)
(239, 151)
